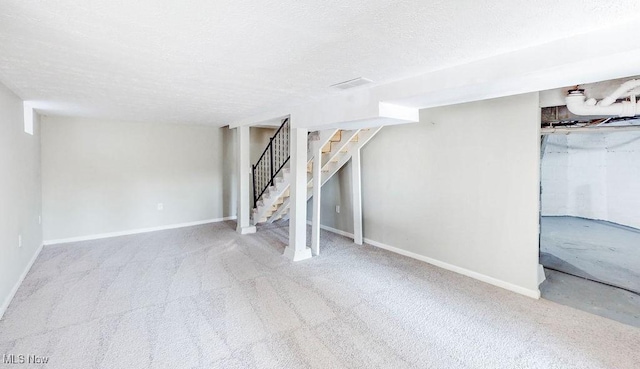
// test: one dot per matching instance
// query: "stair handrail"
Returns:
(266, 169)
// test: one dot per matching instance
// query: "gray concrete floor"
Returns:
(596, 250)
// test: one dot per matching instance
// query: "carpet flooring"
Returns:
(206, 297)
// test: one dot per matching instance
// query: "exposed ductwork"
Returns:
(578, 104)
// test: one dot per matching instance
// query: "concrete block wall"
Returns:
(594, 175)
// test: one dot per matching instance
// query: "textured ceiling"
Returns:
(213, 62)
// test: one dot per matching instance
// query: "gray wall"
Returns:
(336, 192)
(460, 187)
(107, 176)
(20, 195)
(259, 140)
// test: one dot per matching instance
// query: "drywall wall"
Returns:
(336, 193)
(459, 189)
(594, 175)
(106, 176)
(259, 140)
(20, 195)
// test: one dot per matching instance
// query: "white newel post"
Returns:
(243, 172)
(297, 249)
(317, 184)
(356, 193)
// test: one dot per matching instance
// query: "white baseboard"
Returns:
(7, 300)
(333, 230)
(135, 231)
(469, 273)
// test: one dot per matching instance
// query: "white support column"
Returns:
(243, 172)
(356, 194)
(297, 249)
(317, 185)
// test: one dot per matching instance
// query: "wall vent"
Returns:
(352, 83)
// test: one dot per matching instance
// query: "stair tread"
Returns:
(279, 207)
(337, 136)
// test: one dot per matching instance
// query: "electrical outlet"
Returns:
(338, 209)
(20, 240)
(39, 219)
(160, 206)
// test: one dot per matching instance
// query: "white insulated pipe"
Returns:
(578, 104)
(622, 91)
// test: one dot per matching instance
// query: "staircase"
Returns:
(272, 202)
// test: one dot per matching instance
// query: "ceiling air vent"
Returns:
(352, 83)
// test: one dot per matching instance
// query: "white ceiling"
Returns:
(214, 62)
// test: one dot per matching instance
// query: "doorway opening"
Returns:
(590, 222)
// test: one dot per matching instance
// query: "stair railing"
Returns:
(271, 162)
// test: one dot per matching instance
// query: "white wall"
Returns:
(105, 176)
(20, 195)
(594, 176)
(459, 188)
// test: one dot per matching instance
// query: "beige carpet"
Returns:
(205, 297)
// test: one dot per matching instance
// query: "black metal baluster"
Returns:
(271, 158)
(266, 169)
(253, 176)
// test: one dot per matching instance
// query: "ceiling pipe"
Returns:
(578, 104)
(620, 92)
(568, 130)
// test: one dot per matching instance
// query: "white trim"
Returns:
(246, 230)
(541, 275)
(13, 292)
(28, 117)
(333, 230)
(469, 273)
(135, 231)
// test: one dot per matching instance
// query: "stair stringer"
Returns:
(330, 168)
(269, 199)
